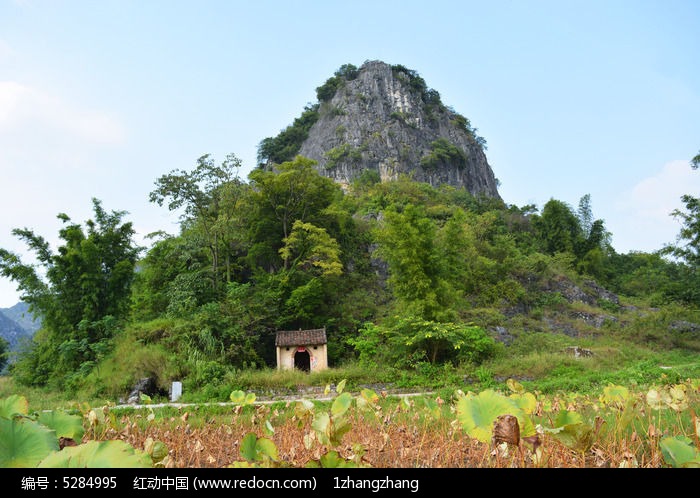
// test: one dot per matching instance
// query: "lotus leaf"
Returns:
(24, 443)
(14, 405)
(65, 424)
(99, 454)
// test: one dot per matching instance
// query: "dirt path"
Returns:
(268, 400)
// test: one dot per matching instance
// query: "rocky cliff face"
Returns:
(383, 119)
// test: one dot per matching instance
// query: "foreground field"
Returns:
(490, 429)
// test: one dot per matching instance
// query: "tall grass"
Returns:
(45, 399)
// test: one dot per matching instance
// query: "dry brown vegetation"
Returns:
(391, 441)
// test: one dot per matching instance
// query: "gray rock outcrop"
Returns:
(385, 120)
(147, 386)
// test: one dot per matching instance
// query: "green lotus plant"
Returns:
(679, 452)
(571, 430)
(478, 412)
(53, 439)
(98, 454)
(257, 452)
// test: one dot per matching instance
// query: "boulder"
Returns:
(146, 385)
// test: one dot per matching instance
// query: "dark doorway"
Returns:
(302, 360)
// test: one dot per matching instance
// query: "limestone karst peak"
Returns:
(384, 121)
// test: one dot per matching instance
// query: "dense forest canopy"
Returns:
(396, 271)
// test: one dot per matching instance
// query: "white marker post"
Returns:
(176, 391)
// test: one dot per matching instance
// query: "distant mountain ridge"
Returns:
(17, 325)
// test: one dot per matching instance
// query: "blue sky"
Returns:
(100, 98)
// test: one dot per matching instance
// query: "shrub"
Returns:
(443, 153)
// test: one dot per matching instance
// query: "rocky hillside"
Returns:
(380, 121)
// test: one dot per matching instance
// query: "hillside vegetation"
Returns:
(410, 281)
(416, 285)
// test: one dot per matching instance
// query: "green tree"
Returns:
(209, 196)
(172, 278)
(585, 214)
(561, 230)
(310, 249)
(4, 352)
(686, 286)
(346, 72)
(558, 227)
(641, 274)
(688, 248)
(312, 264)
(285, 146)
(294, 191)
(688, 240)
(445, 341)
(407, 241)
(83, 292)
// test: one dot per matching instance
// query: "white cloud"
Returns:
(24, 108)
(643, 220)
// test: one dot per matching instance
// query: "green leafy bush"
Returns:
(443, 153)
